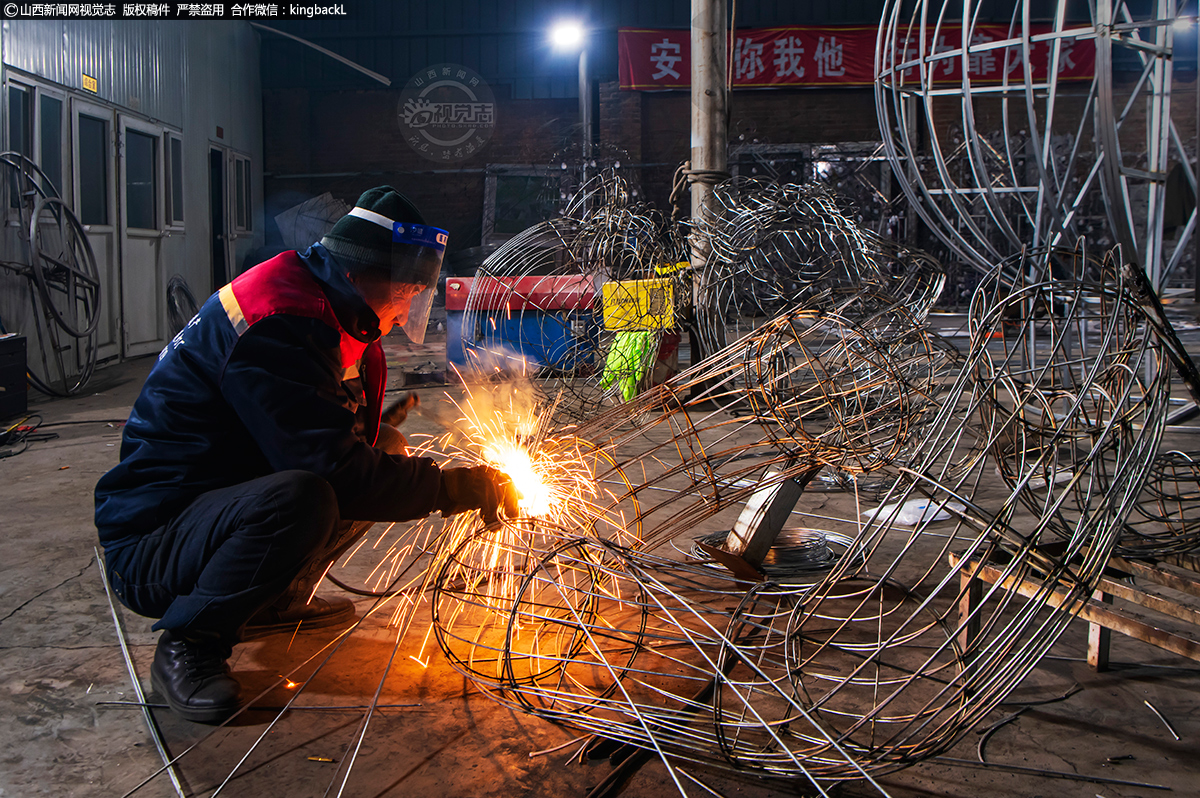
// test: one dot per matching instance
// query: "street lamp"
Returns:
(567, 35)
(1182, 24)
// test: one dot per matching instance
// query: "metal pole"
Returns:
(1196, 192)
(1158, 142)
(709, 136)
(585, 105)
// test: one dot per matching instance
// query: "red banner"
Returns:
(844, 56)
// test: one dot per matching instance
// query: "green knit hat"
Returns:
(361, 243)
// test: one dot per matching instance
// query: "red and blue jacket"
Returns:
(281, 369)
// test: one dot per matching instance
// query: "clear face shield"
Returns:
(417, 252)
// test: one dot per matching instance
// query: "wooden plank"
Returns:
(1099, 638)
(1180, 582)
(1188, 562)
(1150, 601)
(1091, 611)
(972, 593)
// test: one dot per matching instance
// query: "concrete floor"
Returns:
(62, 677)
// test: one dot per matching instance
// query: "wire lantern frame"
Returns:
(869, 666)
(1027, 160)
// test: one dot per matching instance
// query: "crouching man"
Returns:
(254, 455)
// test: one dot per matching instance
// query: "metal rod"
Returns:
(339, 58)
(1050, 774)
(1166, 723)
(151, 723)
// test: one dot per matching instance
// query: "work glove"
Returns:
(480, 488)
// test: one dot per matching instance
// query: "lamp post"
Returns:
(710, 124)
(1183, 25)
(568, 35)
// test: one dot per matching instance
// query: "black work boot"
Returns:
(192, 674)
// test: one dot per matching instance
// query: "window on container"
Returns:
(141, 187)
(50, 110)
(20, 135)
(93, 170)
(174, 179)
(20, 121)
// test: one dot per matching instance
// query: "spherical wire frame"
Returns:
(1015, 170)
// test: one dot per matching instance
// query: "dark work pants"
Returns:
(235, 550)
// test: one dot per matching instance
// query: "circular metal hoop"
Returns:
(64, 267)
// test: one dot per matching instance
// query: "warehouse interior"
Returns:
(842, 359)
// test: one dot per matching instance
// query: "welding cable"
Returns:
(85, 421)
(990, 730)
(357, 591)
(39, 385)
(9, 431)
(1026, 704)
(22, 433)
(995, 727)
(10, 435)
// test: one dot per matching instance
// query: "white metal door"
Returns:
(230, 201)
(94, 199)
(239, 205)
(142, 206)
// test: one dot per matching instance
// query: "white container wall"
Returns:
(152, 133)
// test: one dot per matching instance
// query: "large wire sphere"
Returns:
(1067, 379)
(776, 247)
(1001, 141)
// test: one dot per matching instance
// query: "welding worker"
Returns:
(254, 455)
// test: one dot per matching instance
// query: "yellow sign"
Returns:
(639, 305)
(90, 83)
(663, 269)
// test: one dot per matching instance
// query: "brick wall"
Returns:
(778, 116)
(346, 142)
(621, 119)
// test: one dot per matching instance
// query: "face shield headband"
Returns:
(417, 252)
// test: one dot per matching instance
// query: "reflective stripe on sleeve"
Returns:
(233, 310)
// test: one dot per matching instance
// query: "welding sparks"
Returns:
(534, 494)
(505, 426)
